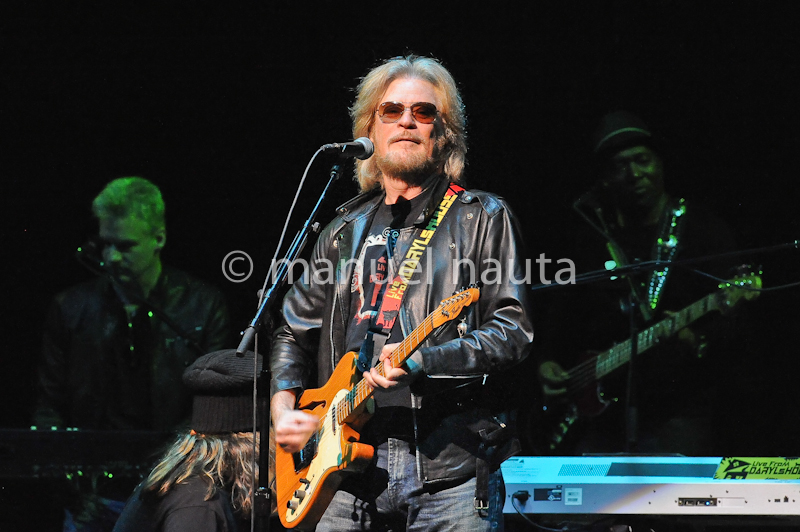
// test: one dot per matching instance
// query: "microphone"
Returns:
(361, 148)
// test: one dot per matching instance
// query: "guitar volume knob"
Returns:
(300, 494)
(292, 505)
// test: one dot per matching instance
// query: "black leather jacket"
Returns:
(455, 399)
(89, 377)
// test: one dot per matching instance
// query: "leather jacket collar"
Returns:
(364, 203)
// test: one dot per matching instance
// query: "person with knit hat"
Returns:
(634, 218)
(627, 157)
(205, 480)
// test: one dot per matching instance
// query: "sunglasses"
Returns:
(423, 112)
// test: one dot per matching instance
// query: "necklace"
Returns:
(665, 249)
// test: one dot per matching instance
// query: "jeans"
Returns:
(389, 496)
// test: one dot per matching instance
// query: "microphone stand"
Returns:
(263, 497)
(631, 398)
(634, 302)
(286, 263)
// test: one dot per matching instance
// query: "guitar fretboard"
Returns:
(363, 391)
(620, 354)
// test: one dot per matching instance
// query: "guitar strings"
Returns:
(346, 405)
(362, 390)
(587, 372)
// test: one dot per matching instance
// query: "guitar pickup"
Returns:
(302, 459)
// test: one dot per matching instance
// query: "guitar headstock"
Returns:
(740, 287)
(450, 308)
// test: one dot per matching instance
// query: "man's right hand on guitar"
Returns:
(552, 376)
(293, 428)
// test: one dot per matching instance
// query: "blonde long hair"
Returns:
(451, 128)
(224, 461)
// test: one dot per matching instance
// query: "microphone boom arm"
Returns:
(281, 274)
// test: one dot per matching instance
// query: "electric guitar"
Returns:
(587, 400)
(307, 480)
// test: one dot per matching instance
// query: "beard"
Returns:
(413, 168)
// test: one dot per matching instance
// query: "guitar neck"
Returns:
(363, 391)
(620, 354)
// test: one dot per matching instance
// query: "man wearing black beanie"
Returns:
(666, 404)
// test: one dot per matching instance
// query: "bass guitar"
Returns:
(548, 425)
(307, 480)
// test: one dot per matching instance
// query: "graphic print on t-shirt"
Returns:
(370, 276)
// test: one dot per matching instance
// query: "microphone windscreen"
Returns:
(369, 148)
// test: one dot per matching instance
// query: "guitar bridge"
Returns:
(302, 458)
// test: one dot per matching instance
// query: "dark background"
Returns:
(222, 107)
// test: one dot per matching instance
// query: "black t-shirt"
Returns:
(182, 509)
(377, 263)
